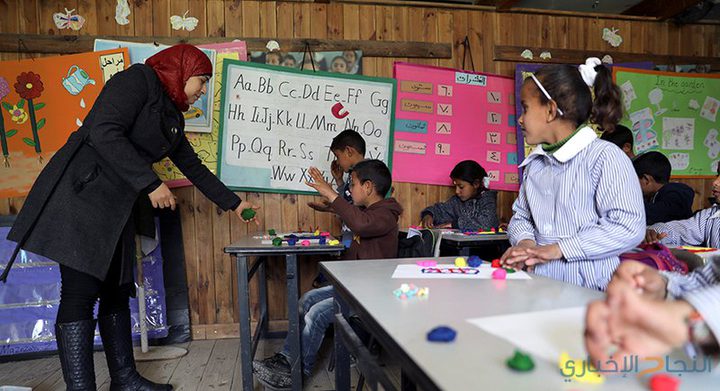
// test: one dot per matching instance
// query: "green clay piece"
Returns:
(509, 270)
(520, 362)
(272, 232)
(248, 213)
(277, 242)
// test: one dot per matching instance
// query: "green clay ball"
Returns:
(248, 213)
(520, 362)
(277, 242)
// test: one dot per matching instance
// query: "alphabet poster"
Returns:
(277, 122)
(448, 115)
(42, 101)
(676, 114)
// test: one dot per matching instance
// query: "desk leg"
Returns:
(263, 298)
(405, 383)
(342, 356)
(294, 321)
(246, 356)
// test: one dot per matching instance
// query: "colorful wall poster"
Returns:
(42, 101)
(205, 144)
(448, 115)
(199, 117)
(676, 114)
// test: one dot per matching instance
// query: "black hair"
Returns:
(655, 164)
(568, 89)
(348, 138)
(469, 171)
(620, 136)
(375, 171)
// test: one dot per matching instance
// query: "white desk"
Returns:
(476, 359)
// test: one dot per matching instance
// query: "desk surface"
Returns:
(459, 238)
(252, 245)
(475, 358)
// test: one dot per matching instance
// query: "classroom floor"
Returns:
(209, 365)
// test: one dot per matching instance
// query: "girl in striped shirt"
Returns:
(580, 203)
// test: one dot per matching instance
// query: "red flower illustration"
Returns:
(29, 85)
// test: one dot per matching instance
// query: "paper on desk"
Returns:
(543, 334)
(452, 271)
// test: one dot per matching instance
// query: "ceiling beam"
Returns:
(660, 9)
(503, 5)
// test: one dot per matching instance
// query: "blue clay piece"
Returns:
(291, 241)
(322, 240)
(474, 261)
(441, 334)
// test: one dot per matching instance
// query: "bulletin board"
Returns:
(277, 122)
(675, 114)
(447, 115)
(44, 100)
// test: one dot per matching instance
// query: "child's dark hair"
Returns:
(375, 171)
(568, 89)
(348, 138)
(469, 171)
(620, 136)
(654, 164)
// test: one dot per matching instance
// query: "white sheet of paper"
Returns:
(543, 334)
(453, 272)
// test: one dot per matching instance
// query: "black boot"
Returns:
(115, 333)
(75, 347)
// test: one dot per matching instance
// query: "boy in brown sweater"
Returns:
(373, 220)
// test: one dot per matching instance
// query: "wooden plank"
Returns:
(142, 17)
(233, 19)
(661, 10)
(161, 20)
(215, 16)
(9, 16)
(79, 44)
(446, 27)
(218, 373)
(318, 27)
(185, 203)
(189, 371)
(251, 20)
(564, 56)
(268, 28)
(334, 22)
(178, 8)
(503, 5)
(103, 18)
(160, 371)
(289, 212)
(284, 19)
(302, 16)
(368, 31)
(223, 276)
(238, 228)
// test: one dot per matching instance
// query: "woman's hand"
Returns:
(162, 197)
(244, 204)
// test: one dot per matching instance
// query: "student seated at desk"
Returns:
(664, 200)
(472, 208)
(702, 229)
(580, 204)
(622, 137)
(638, 321)
(374, 221)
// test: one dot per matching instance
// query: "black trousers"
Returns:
(80, 291)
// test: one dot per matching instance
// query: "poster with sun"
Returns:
(42, 101)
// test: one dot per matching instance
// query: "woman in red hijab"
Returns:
(98, 191)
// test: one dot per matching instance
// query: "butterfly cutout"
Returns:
(612, 37)
(68, 21)
(184, 22)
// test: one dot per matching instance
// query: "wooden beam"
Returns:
(574, 56)
(504, 5)
(660, 9)
(67, 44)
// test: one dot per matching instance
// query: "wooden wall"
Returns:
(211, 273)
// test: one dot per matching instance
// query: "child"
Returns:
(349, 149)
(352, 61)
(273, 58)
(289, 61)
(663, 201)
(339, 65)
(702, 229)
(622, 137)
(472, 208)
(374, 220)
(580, 204)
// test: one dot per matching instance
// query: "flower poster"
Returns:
(42, 101)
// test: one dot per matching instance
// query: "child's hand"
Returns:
(320, 184)
(244, 204)
(337, 172)
(646, 280)
(652, 236)
(542, 254)
(516, 256)
(427, 221)
(323, 206)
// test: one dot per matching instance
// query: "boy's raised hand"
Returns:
(323, 206)
(320, 184)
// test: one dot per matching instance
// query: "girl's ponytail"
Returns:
(607, 108)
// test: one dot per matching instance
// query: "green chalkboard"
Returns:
(676, 114)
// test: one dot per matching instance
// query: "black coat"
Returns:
(79, 208)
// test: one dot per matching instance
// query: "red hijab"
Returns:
(175, 65)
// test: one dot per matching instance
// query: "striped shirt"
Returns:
(701, 289)
(586, 197)
(701, 229)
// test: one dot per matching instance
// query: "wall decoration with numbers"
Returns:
(448, 115)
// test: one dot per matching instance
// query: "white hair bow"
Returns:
(588, 71)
